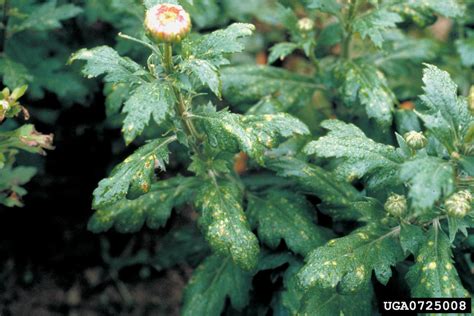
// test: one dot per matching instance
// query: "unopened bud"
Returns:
(305, 24)
(167, 22)
(416, 140)
(396, 205)
(458, 204)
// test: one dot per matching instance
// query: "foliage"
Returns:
(356, 154)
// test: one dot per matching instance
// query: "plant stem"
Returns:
(346, 43)
(181, 108)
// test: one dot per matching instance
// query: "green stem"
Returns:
(193, 136)
(346, 43)
(3, 32)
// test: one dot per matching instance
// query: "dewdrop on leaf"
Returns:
(167, 22)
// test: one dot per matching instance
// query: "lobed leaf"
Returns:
(430, 178)
(348, 262)
(283, 215)
(375, 23)
(225, 225)
(364, 83)
(205, 72)
(434, 274)
(154, 207)
(133, 176)
(212, 282)
(155, 99)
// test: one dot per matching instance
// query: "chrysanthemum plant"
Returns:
(411, 203)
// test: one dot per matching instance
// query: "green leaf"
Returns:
(104, 60)
(328, 6)
(447, 116)
(329, 302)
(249, 84)
(411, 237)
(14, 74)
(154, 207)
(283, 215)
(11, 181)
(212, 282)
(155, 100)
(375, 23)
(447, 8)
(253, 133)
(205, 72)
(338, 197)
(361, 155)
(280, 51)
(363, 82)
(430, 178)
(224, 223)
(133, 176)
(48, 16)
(465, 49)
(214, 46)
(348, 261)
(434, 274)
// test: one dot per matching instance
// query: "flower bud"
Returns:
(458, 204)
(416, 140)
(305, 25)
(396, 205)
(167, 22)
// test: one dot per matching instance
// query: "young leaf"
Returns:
(212, 282)
(214, 46)
(224, 223)
(133, 176)
(253, 133)
(434, 275)
(155, 100)
(349, 261)
(362, 156)
(205, 72)
(375, 23)
(247, 85)
(447, 116)
(363, 82)
(288, 216)
(104, 60)
(430, 178)
(154, 207)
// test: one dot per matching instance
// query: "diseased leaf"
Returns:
(434, 274)
(155, 100)
(411, 237)
(363, 83)
(104, 60)
(11, 181)
(224, 224)
(214, 46)
(205, 72)
(133, 176)
(447, 116)
(154, 207)
(252, 133)
(246, 85)
(212, 282)
(375, 23)
(361, 155)
(348, 262)
(430, 178)
(283, 215)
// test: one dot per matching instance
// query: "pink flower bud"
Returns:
(167, 22)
